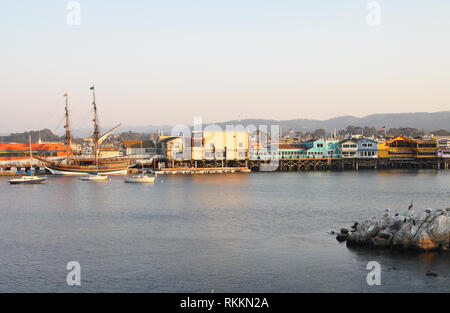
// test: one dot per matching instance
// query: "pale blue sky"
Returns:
(164, 62)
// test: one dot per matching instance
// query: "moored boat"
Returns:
(140, 179)
(94, 178)
(28, 180)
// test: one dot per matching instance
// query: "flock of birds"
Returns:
(387, 210)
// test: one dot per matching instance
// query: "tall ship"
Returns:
(87, 164)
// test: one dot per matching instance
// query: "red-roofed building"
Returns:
(17, 151)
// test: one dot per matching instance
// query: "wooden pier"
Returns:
(283, 165)
(310, 164)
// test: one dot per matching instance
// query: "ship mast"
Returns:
(31, 156)
(96, 135)
(67, 127)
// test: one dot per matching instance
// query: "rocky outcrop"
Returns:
(426, 231)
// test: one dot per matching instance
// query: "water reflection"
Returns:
(234, 232)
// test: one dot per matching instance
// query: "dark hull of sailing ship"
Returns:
(92, 165)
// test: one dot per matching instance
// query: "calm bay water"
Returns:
(259, 232)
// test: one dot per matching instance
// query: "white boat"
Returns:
(95, 178)
(140, 179)
(30, 179)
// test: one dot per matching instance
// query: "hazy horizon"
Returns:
(124, 128)
(162, 63)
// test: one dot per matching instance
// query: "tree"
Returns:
(320, 133)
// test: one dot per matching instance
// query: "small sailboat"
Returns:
(141, 178)
(30, 179)
(95, 177)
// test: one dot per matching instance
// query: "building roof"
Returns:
(34, 146)
(167, 138)
(425, 140)
(137, 144)
(286, 146)
(354, 140)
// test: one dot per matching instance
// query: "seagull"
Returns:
(410, 206)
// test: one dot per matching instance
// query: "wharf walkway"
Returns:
(283, 165)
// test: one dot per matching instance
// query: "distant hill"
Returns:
(426, 121)
(46, 135)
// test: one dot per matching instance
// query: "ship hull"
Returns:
(104, 168)
(83, 172)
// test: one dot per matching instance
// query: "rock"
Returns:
(429, 230)
(431, 273)
(342, 237)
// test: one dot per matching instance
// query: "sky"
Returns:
(165, 62)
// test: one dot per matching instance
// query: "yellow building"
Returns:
(403, 147)
(207, 145)
(225, 145)
(400, 147)
(426, 148)
(383, 150)
(173, 147)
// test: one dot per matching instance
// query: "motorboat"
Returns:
(29, 180)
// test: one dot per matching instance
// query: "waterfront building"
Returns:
(397, 148)
(110, 152)
(348, 148)
(320, 148)
(443, 148)
(172, 147)
(426, 148)
(382, 149)
(292, 151)
(224, 145)
(18, 151)
(367, 148)
(139, 147)
(332, 149)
